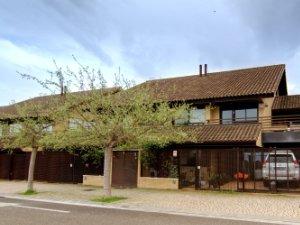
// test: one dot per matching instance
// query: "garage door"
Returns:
(125, 166)
(4, 166)
(19, 167)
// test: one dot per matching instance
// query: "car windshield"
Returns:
(281, 158)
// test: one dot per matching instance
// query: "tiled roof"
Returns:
(10, 111)
(234, 83)
(229, 133)
(286, 102)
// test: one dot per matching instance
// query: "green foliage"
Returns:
(171, 168)
(121, 118)
(109, 199)
(29, 192)
(94, 155)
(218, 179)
(151, 156)
(27, 125)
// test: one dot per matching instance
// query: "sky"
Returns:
(147, 39)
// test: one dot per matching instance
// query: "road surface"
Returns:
(25, 212)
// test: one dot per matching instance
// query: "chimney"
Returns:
(205, 69)
(200, 70)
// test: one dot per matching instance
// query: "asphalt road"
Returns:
(24, 212)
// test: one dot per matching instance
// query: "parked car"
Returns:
(281, 166)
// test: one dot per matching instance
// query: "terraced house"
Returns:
(247, 132)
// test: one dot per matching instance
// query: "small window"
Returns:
(74, 123)
(15, 128)
(251, 114)
(240, 115)
(184, 119)
(88, 125)
(197, 115)
(227, 116)
(280, 158)
(48, 128)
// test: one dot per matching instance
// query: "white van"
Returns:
(281, 165)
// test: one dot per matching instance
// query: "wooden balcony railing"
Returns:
(271, 123)
(280, 123)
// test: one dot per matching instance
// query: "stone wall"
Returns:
(93, 180)
(158, 183)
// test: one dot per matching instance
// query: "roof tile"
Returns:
(234, 83)
(229, 133)
(286, 102)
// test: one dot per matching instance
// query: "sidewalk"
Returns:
(237, 205)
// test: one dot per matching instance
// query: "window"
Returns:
(279, 158)
(227, 116)
(197, 115)
(194, 115)
(239, 115)
(88, 125)
(74, 123)
(15, 128)
(184, 119)
(251, 114)
(48, 128)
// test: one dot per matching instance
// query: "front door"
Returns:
(187, 168)
(125, 169)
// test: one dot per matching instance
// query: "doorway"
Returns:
(125, 169)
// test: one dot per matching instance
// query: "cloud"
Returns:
(151, 39)
(275, 24)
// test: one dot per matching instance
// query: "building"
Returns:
(247, 131)
(245, 124)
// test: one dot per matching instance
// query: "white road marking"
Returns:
(38, 208)
(4, 204)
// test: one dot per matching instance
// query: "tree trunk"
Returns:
(31, 169)
(107, 171)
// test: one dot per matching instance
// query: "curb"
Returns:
(224, 217)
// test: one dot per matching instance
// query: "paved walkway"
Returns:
(36, 213)
(238, 205)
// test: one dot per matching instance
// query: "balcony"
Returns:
(274, 123)
(273, 130)
(280, 123)
(281, 129)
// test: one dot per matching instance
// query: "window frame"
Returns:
(15, 128)
(48, 128)
(186, 118)
(203, 116)
(234, 119)
(75, 122)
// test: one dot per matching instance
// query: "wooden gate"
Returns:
(50, 166)
(19, 166)
(124, 169)
(4, 166)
